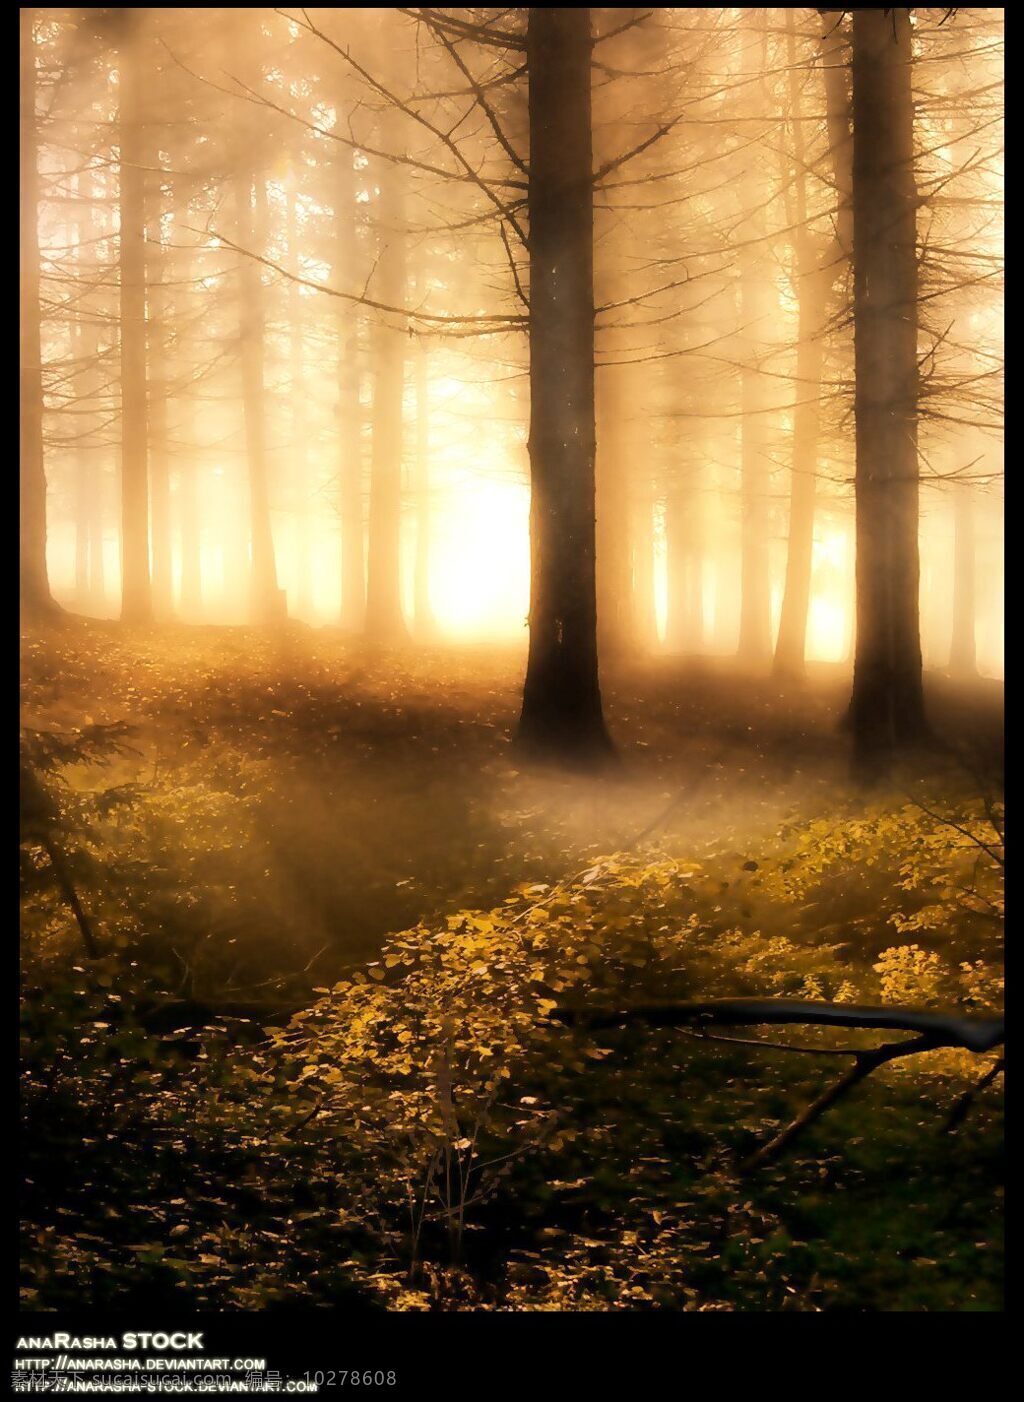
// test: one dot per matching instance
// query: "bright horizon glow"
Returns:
(480, 577)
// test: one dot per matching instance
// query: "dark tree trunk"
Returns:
(385, 622)
(267, 601)
(562, 715)
(963, 653)
(34, 581)
(350, 466)
(136, 591)
(887, 706)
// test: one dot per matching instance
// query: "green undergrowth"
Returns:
(420, 1132)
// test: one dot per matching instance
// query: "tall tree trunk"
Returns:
(641, 531)
(816, 269)
(887, 706)
(423, 614)
(158, 306)
(350, 465)
(754, 643)
(34, 580)
(88, 535)
(963, 653)
(83, 356)
(613, 563)
(756, 309)
(298, 456)
(677, 569)
(791, 643)
(136, 591)
(384, 620)
(562, 714)
(684, 613)
(267, 601)
(191, 599)
(98, 495)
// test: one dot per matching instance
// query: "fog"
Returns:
(697, 249)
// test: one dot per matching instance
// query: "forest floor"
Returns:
(252, 819)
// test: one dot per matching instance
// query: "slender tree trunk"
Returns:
(267, 600)
(816, 270)
(423, 614)
(812, 284)
(562, 714)
(613, 563)
(350, 465)
(136, 590)
(677, 569)
(98, 495)
(298, 457)
(684, 615)
(963, 654)
(82, 382)
(790, 645)
(157, 374)
(34, 580)
(887, 706)
(755, 314)
(384, 619)
(85, 483)
(754, 643)
(641, 529)
(188, 519)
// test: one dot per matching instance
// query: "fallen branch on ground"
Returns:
(934, 1031)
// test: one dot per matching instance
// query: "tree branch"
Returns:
(944, 1029)
(935, 1030)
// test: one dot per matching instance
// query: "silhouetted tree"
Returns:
(562, 713)
(887, 706)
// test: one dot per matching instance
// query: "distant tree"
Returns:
(385, 622)
(160, 299)
(350, 458)
(34, 580)
(423, 615)
(758, 308)
(136, 593)
(963, 651)
(817, 264)
(267, 600)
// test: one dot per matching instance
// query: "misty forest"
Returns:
(511, 632)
